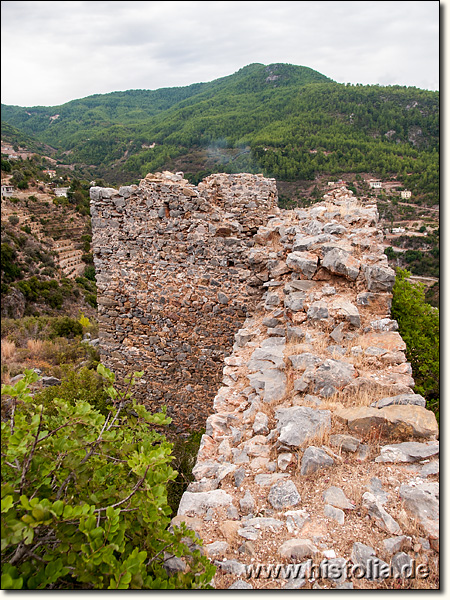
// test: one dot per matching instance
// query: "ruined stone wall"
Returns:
(177, 274)
(275, 327)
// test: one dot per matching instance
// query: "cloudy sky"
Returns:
(53, 52)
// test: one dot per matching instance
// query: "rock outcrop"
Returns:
(315, 444)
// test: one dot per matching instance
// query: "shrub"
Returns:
(89, 272)
(77, 385)
(185, 453)
(418, 324)
(9, 268)
(50, 292)
(390, 253)
(91, 299)
(84, 502)
(13, 219)
(65, 327)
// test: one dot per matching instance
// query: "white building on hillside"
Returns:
(375, 184)
(7, 191)
(61, 192)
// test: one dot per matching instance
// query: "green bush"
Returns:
(65, 327)
(89, 272)
(9, 268)
(84, 501)
(91, 299)
(390, 253)
(81, 384)
(185, 454)
(418, 324)
(50, 292)
(13, 219)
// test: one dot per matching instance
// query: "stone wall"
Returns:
(275, 327)
(177, 274)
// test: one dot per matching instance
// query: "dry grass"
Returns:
(8, 350)
(35, 348)
(321, 343)
(362, 397)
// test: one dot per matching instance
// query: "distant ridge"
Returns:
(286, 121)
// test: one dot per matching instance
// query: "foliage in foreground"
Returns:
(84, 501)
(418, 324)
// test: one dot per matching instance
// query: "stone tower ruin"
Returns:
(177, 273)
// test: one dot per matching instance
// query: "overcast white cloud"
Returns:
(53, 52)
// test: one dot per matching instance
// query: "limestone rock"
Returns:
(405, 421)
(384, 325)
(301, 423)
(173, 564)
(340, 262)
(242, 337)
(336, 497)
(338, 333)
(240, 584)
(247, 503)
(266, 479)
(271, 322)
(297, 549)
(361, 553)
(278, 269)
(306, 360)
(204, 485)
(348, 311)
(216, 549)
(395, 544)
(389, 340)
(314, 459)
(407, 452)
(302, 262)
(381, 517)
(231, 566)
(375, 487)
(294, 334)
(197, 504)
(260, 424)
(331, 376)
(431, 468)
(239, 476)
(334, 513)
(421, 500)
(295, 301)
(266, 358)
(347, 443)
(379, 278)
(402, 565)
(416, 399)
(271, 383)
(302, 243)
(295, 519)
(317, 311)
(284, 460)
(249, 533)
(283, 495)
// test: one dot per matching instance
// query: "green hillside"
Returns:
(286, 121)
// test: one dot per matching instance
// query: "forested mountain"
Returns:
(283, 120)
